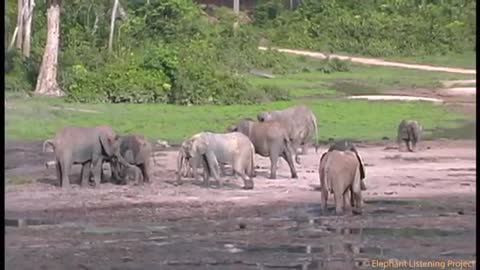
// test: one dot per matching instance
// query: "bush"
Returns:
(20, 73)
(117, 83)
(378, 28)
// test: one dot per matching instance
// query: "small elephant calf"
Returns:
(339, 173)
(410, 132)
(135, 150)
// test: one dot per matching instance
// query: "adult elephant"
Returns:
(339, 173)
(211, 149)
(81, 145)
(301, 125)
(270, 139)
(345, 145)
(409, 131)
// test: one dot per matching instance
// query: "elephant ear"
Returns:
(323, 155)
(108, 143)
(362, 166)
(199, 145)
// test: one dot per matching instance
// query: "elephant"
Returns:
(270, 139)
(339, 173)
(85, 146)
(211, 149)
(410, 132)
(187, 167)
(300, 123)
(344, 145)
(136, 150)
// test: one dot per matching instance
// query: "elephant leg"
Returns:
(242, 172)
(58, 172)
(195, 164)
(273, 166)
(145, 168)
(214, 167)
(206, 171)
(338, 203)
(97, 170)
(288, 158)
(324, 198)
(65, 166)
(102, 174)
(347, 201)
(357, 198)
(362, 185)
(85, 174)
(304, 148)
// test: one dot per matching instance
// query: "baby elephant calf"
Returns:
(135, 150)
(339, 173)
(410, 132)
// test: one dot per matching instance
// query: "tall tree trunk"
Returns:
(112, 25)
(47, 78)
(20, 12)
(27, 23)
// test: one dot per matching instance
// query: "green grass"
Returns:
(34, 119)
(459, 60)
(360, 80)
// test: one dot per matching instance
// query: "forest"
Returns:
(176, 52)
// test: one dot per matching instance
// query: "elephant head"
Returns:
(108, 143)
(243, 126)
(264, 116)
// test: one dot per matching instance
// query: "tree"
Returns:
(112, 25)
(47, 78)
(27, 27)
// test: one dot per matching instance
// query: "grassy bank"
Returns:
(40, 118)
(359, 80)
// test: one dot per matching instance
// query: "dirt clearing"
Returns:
(418, 206)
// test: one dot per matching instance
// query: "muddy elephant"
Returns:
(270, 139)
(300, 123)
(81, 145)
(211, 149)
(409, 131)
(137, 151)
(187, 168)
(344, 145)
(339, 173)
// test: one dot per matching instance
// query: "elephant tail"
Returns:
(357, 181)
(48, 142)
(315, 126)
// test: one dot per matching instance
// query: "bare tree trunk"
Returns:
(236, 6)
(112, 25)
(19, 28)
(27, 23)
(47, 78)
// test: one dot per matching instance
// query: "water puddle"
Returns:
(20, 222)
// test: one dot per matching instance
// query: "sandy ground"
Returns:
(375, 62)
(415, 202)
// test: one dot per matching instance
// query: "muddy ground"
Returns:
(418, 206)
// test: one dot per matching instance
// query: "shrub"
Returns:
(117, 83)
(20, 73)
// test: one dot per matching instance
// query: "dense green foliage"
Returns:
(171, 51)
(373, 27)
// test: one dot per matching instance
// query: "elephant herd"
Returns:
(275, 134)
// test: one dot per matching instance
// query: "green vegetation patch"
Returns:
(40, 118)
